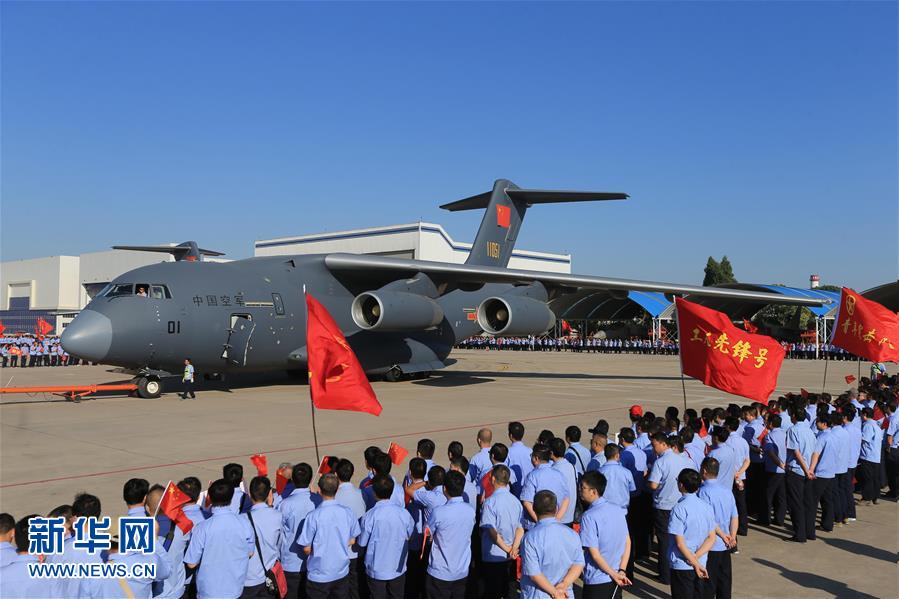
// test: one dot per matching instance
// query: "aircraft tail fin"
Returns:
(505, 207)
(183, 251)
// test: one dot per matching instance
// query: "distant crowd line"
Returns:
(28, 351)
(633, 345)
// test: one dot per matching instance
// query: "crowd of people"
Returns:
(512, 519)
(34, 350)
(633, 345)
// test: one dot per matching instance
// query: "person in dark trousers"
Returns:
(187, 380)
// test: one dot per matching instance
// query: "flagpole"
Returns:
(156, 511)
(309, 382)
(680, 357)
(824, 382)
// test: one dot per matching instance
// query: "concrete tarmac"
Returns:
(51, 449)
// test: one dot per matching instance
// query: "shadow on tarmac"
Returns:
(809, 580)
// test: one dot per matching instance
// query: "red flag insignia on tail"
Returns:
(503, 216)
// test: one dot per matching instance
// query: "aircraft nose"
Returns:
(89, 336)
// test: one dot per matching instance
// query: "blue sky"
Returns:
(766, 131)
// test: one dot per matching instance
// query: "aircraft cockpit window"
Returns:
(143, 290)
(120, 290)
(160, 292)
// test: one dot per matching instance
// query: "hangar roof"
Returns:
(742, 309)
(592, 304)
(886, 294)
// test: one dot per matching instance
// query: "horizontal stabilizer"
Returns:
(529, 197)
(183, 251)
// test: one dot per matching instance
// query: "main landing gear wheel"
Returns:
(393, 375)
(149, 387)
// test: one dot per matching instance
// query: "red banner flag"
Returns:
(336, 379)
(397, 454)
(261, 462)
(2, 328)
(866, 329)
(42, 327)
(325, 466)
(750, 327)
(172, 505)
(850, 379)
(725, 357)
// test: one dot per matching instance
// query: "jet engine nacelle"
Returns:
(399, 306)
(517, 314)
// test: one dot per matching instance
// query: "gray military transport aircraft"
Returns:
(401, 317)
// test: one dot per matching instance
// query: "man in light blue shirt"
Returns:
(755, 475)
(7, 539)
(741, 449)
(351, 497)
(470, 492)
(605, 539)
(869, 457)
(233, 475)
(577, 454)
(800, 446)
(381, 464)
(501, 534)
(385, 534)
(451, 526)
(841, 438)
(825, 462)
(224, 543)
(85, 505)
(597, 448)
(327, 535)
(557, 447)
(294, 509)
(619, 481)
(852, 425)
(15, 580)
(663, 482)
(480, 462)
(266, 524)
(892, 449)
(519, 456)
(775, 451)
(134, 494)
(724, 509)
(639, 514)
(552, 557)
(692, 529)
(431, 495)
(173, 542)
(543, 478)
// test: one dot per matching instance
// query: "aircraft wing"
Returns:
(451, 276)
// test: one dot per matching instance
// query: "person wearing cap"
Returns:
(635, 413)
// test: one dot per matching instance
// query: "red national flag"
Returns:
(487, 484)
(325, 467)
(750, 327)
(503, 216)
(2, 328)
(850, 379)
(397, 453)
(336, 379)
(566, 328)
(42, 327)
(172, 505)
(261, 462)
(280, 482)
(866, 329)
(723, 356)
(703, 430)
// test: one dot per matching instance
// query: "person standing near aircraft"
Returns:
(187, 379)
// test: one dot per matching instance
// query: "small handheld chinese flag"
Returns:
(866, 328)
(487, 484)
(43, 327)
(172, 505)
(261, 462)
(750, 327)
(725, 357)
(703, 430)
(397, 453)
(336, 379)
(325, 467)
(280, 482)
(850, 379)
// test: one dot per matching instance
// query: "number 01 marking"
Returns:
(174, 327)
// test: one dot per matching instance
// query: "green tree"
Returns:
(718, 273)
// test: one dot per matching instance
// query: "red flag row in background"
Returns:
(866, 328)
(725, 357)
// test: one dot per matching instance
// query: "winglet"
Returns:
(187, 251)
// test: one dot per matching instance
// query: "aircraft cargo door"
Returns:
(238, 344)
